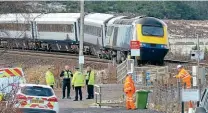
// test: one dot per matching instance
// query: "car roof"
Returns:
(45, 86)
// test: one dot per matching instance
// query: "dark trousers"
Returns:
(78, 89)
(66, 84)
(90, 90)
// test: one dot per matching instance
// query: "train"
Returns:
(107, 36)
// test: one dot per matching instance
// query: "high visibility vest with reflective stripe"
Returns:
(87, 76)
(49, 78)
(183, 74)
(91, 78)
(67, 74)
(129, 84)
(78, 79)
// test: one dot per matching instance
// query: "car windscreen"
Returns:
(36, 91)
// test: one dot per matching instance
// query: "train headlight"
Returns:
(164, 46)
(143, 45)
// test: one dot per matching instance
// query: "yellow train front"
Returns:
(153, 36)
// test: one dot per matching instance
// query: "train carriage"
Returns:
(105, 35)
(118, 38)
(58, 31)
(14, 29)
(153, 35)
(151, 32)
(95, 30)
(53, 31)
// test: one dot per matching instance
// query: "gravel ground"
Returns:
(35, 67)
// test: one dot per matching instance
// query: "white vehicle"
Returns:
(10, 78)
(36, 98)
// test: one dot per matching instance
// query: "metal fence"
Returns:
(98, 94)
(121, 71)
(167, 97)
(109, 95)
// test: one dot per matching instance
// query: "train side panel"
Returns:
(119, 37)
(93, 34)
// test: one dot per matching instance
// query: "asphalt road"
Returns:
(104, 110)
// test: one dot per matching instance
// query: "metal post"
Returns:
(198, 59)
(200, 89)
(182, 107)
(198, 51)
(81, 32)
(100, 98)
(135, 61)
(179, 90)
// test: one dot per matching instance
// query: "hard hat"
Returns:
(179, 66)
(129, 73)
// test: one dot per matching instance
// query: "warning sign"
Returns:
(135, 45)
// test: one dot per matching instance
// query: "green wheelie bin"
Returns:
(141, 99)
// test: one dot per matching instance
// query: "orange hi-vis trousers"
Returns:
(129, 90)
(130, 101)
(188, 83)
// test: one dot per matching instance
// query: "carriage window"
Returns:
(55, 28)
(92, 30)
(15, 26)
(152, 31)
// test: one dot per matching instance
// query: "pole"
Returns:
(198, 59)
(198, 50)
(81, 32)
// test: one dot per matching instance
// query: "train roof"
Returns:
(59, 18)
(12, 18)
(114, 19)
(40, 18)
(141, 20)
(98, 18)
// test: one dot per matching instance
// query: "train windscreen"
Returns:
(152, 31)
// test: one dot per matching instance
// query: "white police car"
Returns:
(33, 98)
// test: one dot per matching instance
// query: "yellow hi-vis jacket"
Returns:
(1, 96)
(91, 78)
(78, 79)
(50, 78)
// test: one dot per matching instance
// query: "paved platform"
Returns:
(69, 103)
(109, 92)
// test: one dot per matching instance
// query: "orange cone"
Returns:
(190, 107)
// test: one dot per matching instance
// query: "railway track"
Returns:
(52, 55)
(76, 56)
(183, 62)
